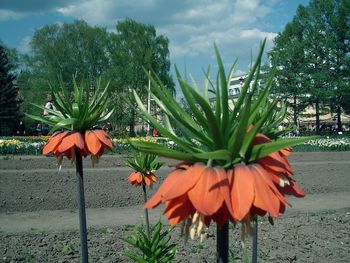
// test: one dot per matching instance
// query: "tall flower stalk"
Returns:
(74, 135)
(230, 170)
(144, 166)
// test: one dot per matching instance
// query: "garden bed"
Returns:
(33, 183)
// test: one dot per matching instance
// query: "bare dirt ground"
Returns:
(39, 222)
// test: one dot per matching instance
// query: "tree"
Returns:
(290, 83)
(136, 48)
(321, 34)
(9, 103)
(70, 49)
(58, 52)
(335, 17)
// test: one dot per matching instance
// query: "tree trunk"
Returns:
(295, 111)
(132, 123)
(339, 124)
(317, 105)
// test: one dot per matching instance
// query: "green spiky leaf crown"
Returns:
(212, 131)
(144, 163)
(78, 111)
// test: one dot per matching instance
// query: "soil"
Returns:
(38, 219)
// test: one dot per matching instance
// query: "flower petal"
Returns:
(264, 197)
(206, 195)
(178, 209)
(168, 183)
(73, 139)
(93, 144)
(242, 191)
(185, 181)
(103, 137)
(54, 141)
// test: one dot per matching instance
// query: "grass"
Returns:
(128, 227)
(29, 256)
(104, 231)
(196, 248)
(68, 249)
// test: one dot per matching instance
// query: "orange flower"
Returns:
(277, 161)
(253, 192)
(65, 143)
(278, 167)
(197, 193)
(136, 178)
(97, 141)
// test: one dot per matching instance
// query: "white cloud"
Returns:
(191, 25)
(24, 46)
(9, 15)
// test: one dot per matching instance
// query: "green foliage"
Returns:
(156, 249)
(144, 163)
(79, 112)
(9, 103)
(271, 126)
(68, 249)
(311, 55)
(85, 52)
(134, 47)
(211, 131)
(67, 50)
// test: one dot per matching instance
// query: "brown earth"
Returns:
(32, 189)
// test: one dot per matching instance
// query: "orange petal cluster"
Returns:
(137, 179)
(66, 143)
(211, 193)
(195, 190)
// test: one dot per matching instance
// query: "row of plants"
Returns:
(233, 164)
(324, 144)
(33, 145)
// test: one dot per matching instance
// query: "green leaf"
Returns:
(214, 155)
(262, 150)
(172, 105)
(40, 119)
(191, 103)
(237, 138)
(256, 128)
(247, 82)
(213, 126)
(135, 257)
(160, 128)
(224, 90)
(160, 150)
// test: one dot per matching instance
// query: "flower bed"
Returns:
(32, 145)
(325, 144)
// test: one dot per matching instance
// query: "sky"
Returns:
(192, 26)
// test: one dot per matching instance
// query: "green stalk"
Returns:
(146, 212)
(81, 206)
(222, 244)
(255, 240)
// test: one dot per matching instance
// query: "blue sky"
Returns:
(192, 26)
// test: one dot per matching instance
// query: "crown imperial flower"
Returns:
(75, 118)
(230, 169)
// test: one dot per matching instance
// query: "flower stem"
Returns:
(81, 206)
(210, 162)
(222, 244)
(146, 211)
(255, 240)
